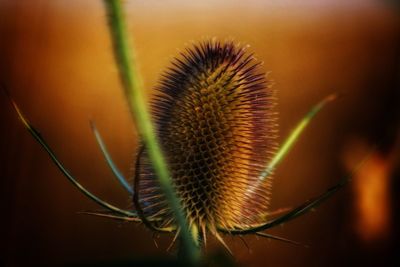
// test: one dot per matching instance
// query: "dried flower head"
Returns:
(214, 120)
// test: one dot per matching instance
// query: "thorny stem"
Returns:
(132, 84)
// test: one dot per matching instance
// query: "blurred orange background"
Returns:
(57, 62)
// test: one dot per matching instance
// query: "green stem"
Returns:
(132, 84)
(293, 136)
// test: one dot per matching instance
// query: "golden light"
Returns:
(371, 191)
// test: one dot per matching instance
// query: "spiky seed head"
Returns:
(215, 122)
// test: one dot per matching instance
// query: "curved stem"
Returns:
(61, 167)
(117, 173)
(294, 135)
(132, 85)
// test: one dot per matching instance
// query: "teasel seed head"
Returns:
(215, 121)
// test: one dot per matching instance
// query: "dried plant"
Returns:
(206, 164)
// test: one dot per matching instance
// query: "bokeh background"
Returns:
(56, 61)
